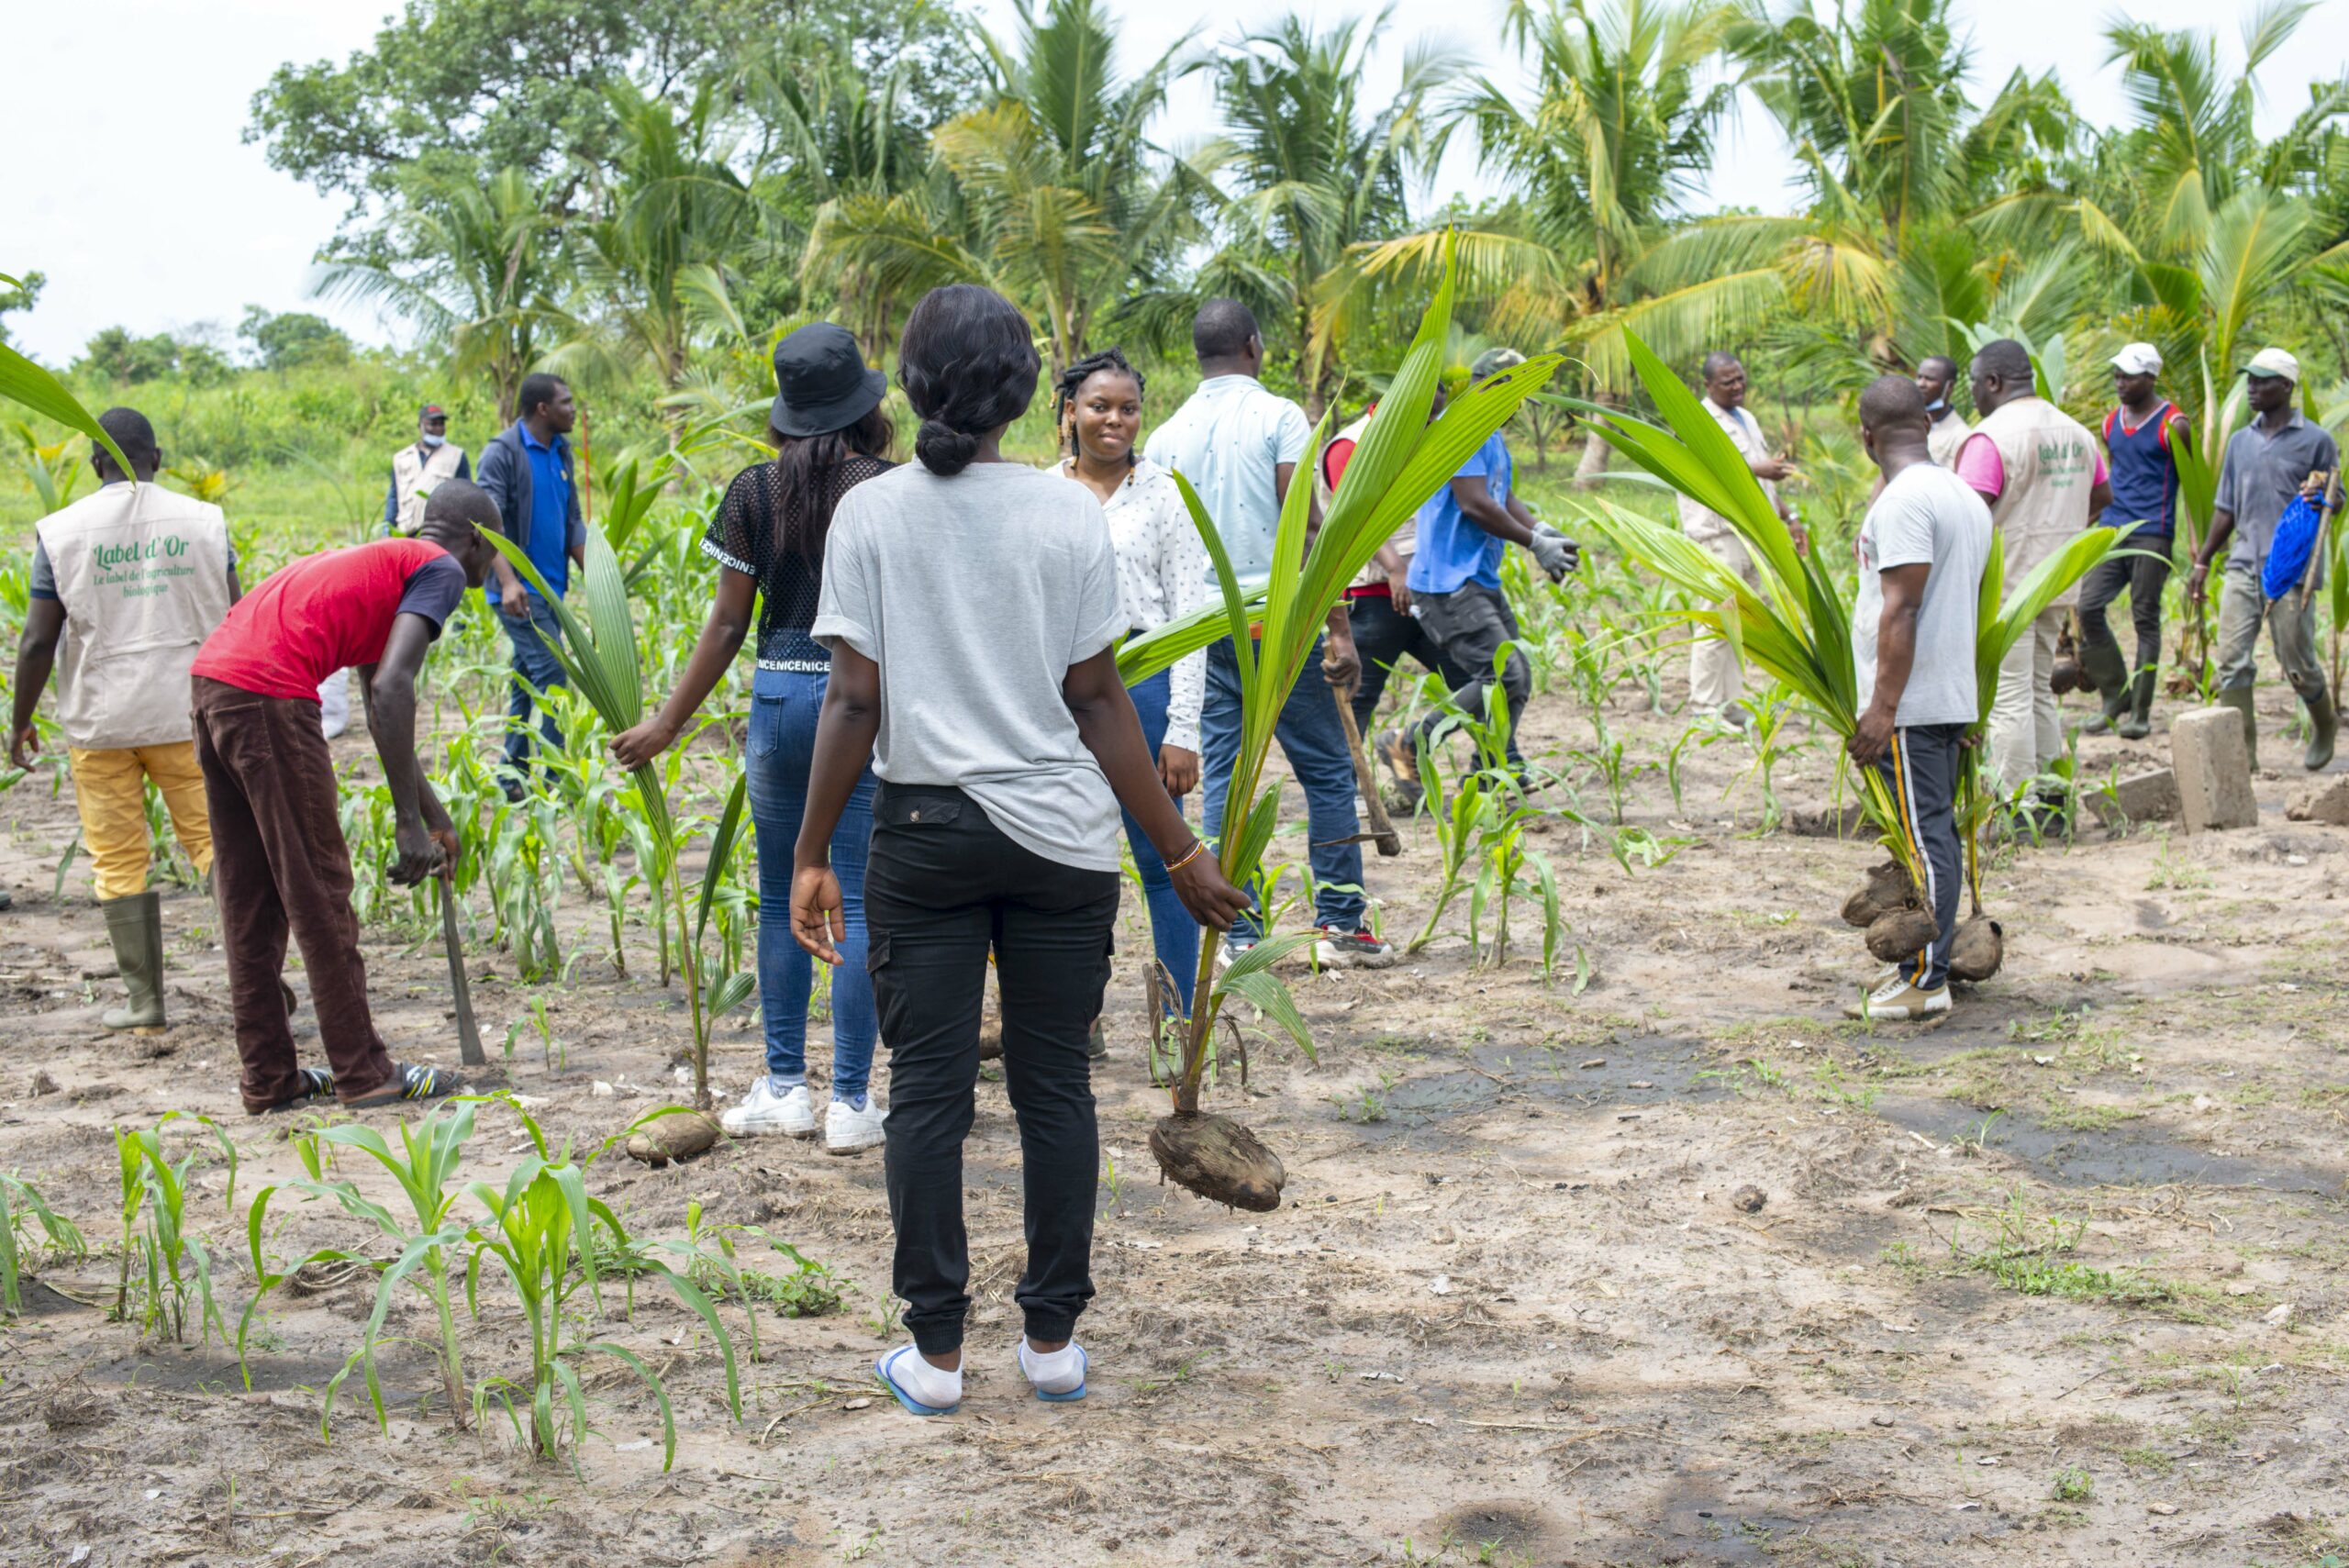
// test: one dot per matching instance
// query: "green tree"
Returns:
(471, 263)
(19, 296)
(1317, 174)
(295, 340)
(1059, 199)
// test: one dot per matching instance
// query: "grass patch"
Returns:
(2073, 1485)
(2152, 1460)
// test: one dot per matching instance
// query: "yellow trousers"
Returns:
(110, 787)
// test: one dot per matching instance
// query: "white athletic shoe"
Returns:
(1337, 947)
(847, 1129)
(763, 1113)
(1897, 1000)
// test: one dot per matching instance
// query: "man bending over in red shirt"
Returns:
(278, 860)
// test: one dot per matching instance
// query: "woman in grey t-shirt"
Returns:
(971, 608)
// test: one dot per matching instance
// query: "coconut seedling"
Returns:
(1797, 625)
(1402, 460)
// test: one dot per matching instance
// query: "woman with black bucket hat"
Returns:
(829, 435)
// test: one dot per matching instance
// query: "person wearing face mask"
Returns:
(431, 459)
(1936, 375)
(417, 467)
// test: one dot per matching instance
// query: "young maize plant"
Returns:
(22, 1208)
(598, 654)
(1796, 627)
(174, 1262)
(431, 1148)
(1402, 460)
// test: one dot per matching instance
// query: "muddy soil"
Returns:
(2062, 1277)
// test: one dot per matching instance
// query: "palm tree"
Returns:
(1315, 175)
(473, 264)
(674, 217)
(1058, 198)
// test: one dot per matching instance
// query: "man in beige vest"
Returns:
(1715, 677)
(126, 585)
(417, 468)
(2043, 475)
(1937, 378)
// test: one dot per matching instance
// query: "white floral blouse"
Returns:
(1163, 575)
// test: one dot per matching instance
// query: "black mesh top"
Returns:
(752, 533)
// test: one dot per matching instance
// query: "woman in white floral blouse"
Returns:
(1162, 573)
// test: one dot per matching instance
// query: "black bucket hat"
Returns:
(821, 384)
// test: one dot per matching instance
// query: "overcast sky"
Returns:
(133, 190)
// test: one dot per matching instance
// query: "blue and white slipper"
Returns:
(1069, 1397)
(881, 1370)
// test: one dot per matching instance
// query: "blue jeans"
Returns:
(533, 661)
(1172, 932)
(1315, 743)
(784, 704)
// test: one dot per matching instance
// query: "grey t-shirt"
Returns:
(975, 595)
(1927, 514)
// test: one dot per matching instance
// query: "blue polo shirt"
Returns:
(549, 510)
(1453, 549)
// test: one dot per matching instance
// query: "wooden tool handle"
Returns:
(1382, 831)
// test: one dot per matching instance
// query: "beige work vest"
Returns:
(143, 576)
(1700, 522)
(1945, 435)
(2050, 462)
(413, 479)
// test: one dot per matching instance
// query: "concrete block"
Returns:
(2148, 798)
(2326, 802)
(2212, 768)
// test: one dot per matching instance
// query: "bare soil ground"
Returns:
(1519, 1307)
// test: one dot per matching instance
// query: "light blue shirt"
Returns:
(1227, 440)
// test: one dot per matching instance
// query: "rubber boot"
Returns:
(2103, 667)
(2239, 699)
(136, 924)
(2323, 722)
(2140, 722)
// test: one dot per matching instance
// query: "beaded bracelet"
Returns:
(1198, 848)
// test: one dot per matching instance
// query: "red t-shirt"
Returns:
(328, 612)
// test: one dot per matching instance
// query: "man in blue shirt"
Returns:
(2143, 470)
(527, 470)
(1455, 582)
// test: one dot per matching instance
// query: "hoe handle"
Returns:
(468, 1034)
(1382, 831)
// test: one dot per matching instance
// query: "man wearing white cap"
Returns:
(2143, 468)
(2275, 457)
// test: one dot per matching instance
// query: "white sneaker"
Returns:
(1337, 947)
(764, 1112)
(847, 1129)
(1898, 1000)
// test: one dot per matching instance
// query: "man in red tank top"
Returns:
(280, 866)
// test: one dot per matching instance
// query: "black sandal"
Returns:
(412, 1081)
(318, 1084)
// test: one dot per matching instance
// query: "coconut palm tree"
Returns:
(1316, 172)
(1059, 199)
(474, 265)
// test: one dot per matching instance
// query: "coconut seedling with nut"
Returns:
(1794, 624)
(1402, 460)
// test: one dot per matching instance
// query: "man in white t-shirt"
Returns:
(1922, 551)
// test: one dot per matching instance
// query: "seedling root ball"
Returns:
(1901, 933)
(1218, 1158)
(1888, 888)
(1977, 950)
(673, 1138)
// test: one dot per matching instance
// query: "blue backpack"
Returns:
(2288, 552)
